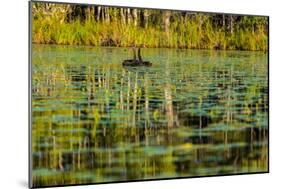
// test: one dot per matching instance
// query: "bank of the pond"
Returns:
(110, 26)
(116, 34)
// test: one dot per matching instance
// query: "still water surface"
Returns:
(193, 113)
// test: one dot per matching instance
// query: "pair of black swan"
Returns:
(136, 62)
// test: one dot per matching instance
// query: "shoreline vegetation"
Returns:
(91, 25)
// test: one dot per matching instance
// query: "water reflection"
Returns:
(192, 113)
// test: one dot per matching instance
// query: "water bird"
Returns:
(135, 61)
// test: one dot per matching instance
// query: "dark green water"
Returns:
(193, 113)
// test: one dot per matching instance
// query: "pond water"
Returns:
(192, 113)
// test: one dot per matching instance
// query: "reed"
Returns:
(195, 33)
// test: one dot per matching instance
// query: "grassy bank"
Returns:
(198, 31)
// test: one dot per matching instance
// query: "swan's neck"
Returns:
(134, 50)
(139, 55)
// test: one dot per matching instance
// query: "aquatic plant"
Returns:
(109, 26)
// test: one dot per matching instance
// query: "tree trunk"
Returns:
(88, 13)
(106, 12)
(223, 21)
(145, 18)
(231, 24)
(102, 14)
(167, 15)
(114, 16)
(122, 14)
(98, 13)
(129, 17)
(135, 16)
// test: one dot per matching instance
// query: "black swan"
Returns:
(135, 62)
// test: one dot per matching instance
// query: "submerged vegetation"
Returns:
(193, 113)
(109, 26)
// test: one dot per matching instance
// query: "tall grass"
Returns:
(192, 35)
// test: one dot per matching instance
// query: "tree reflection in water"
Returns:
(193, 113)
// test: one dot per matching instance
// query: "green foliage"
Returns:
(57, 25)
